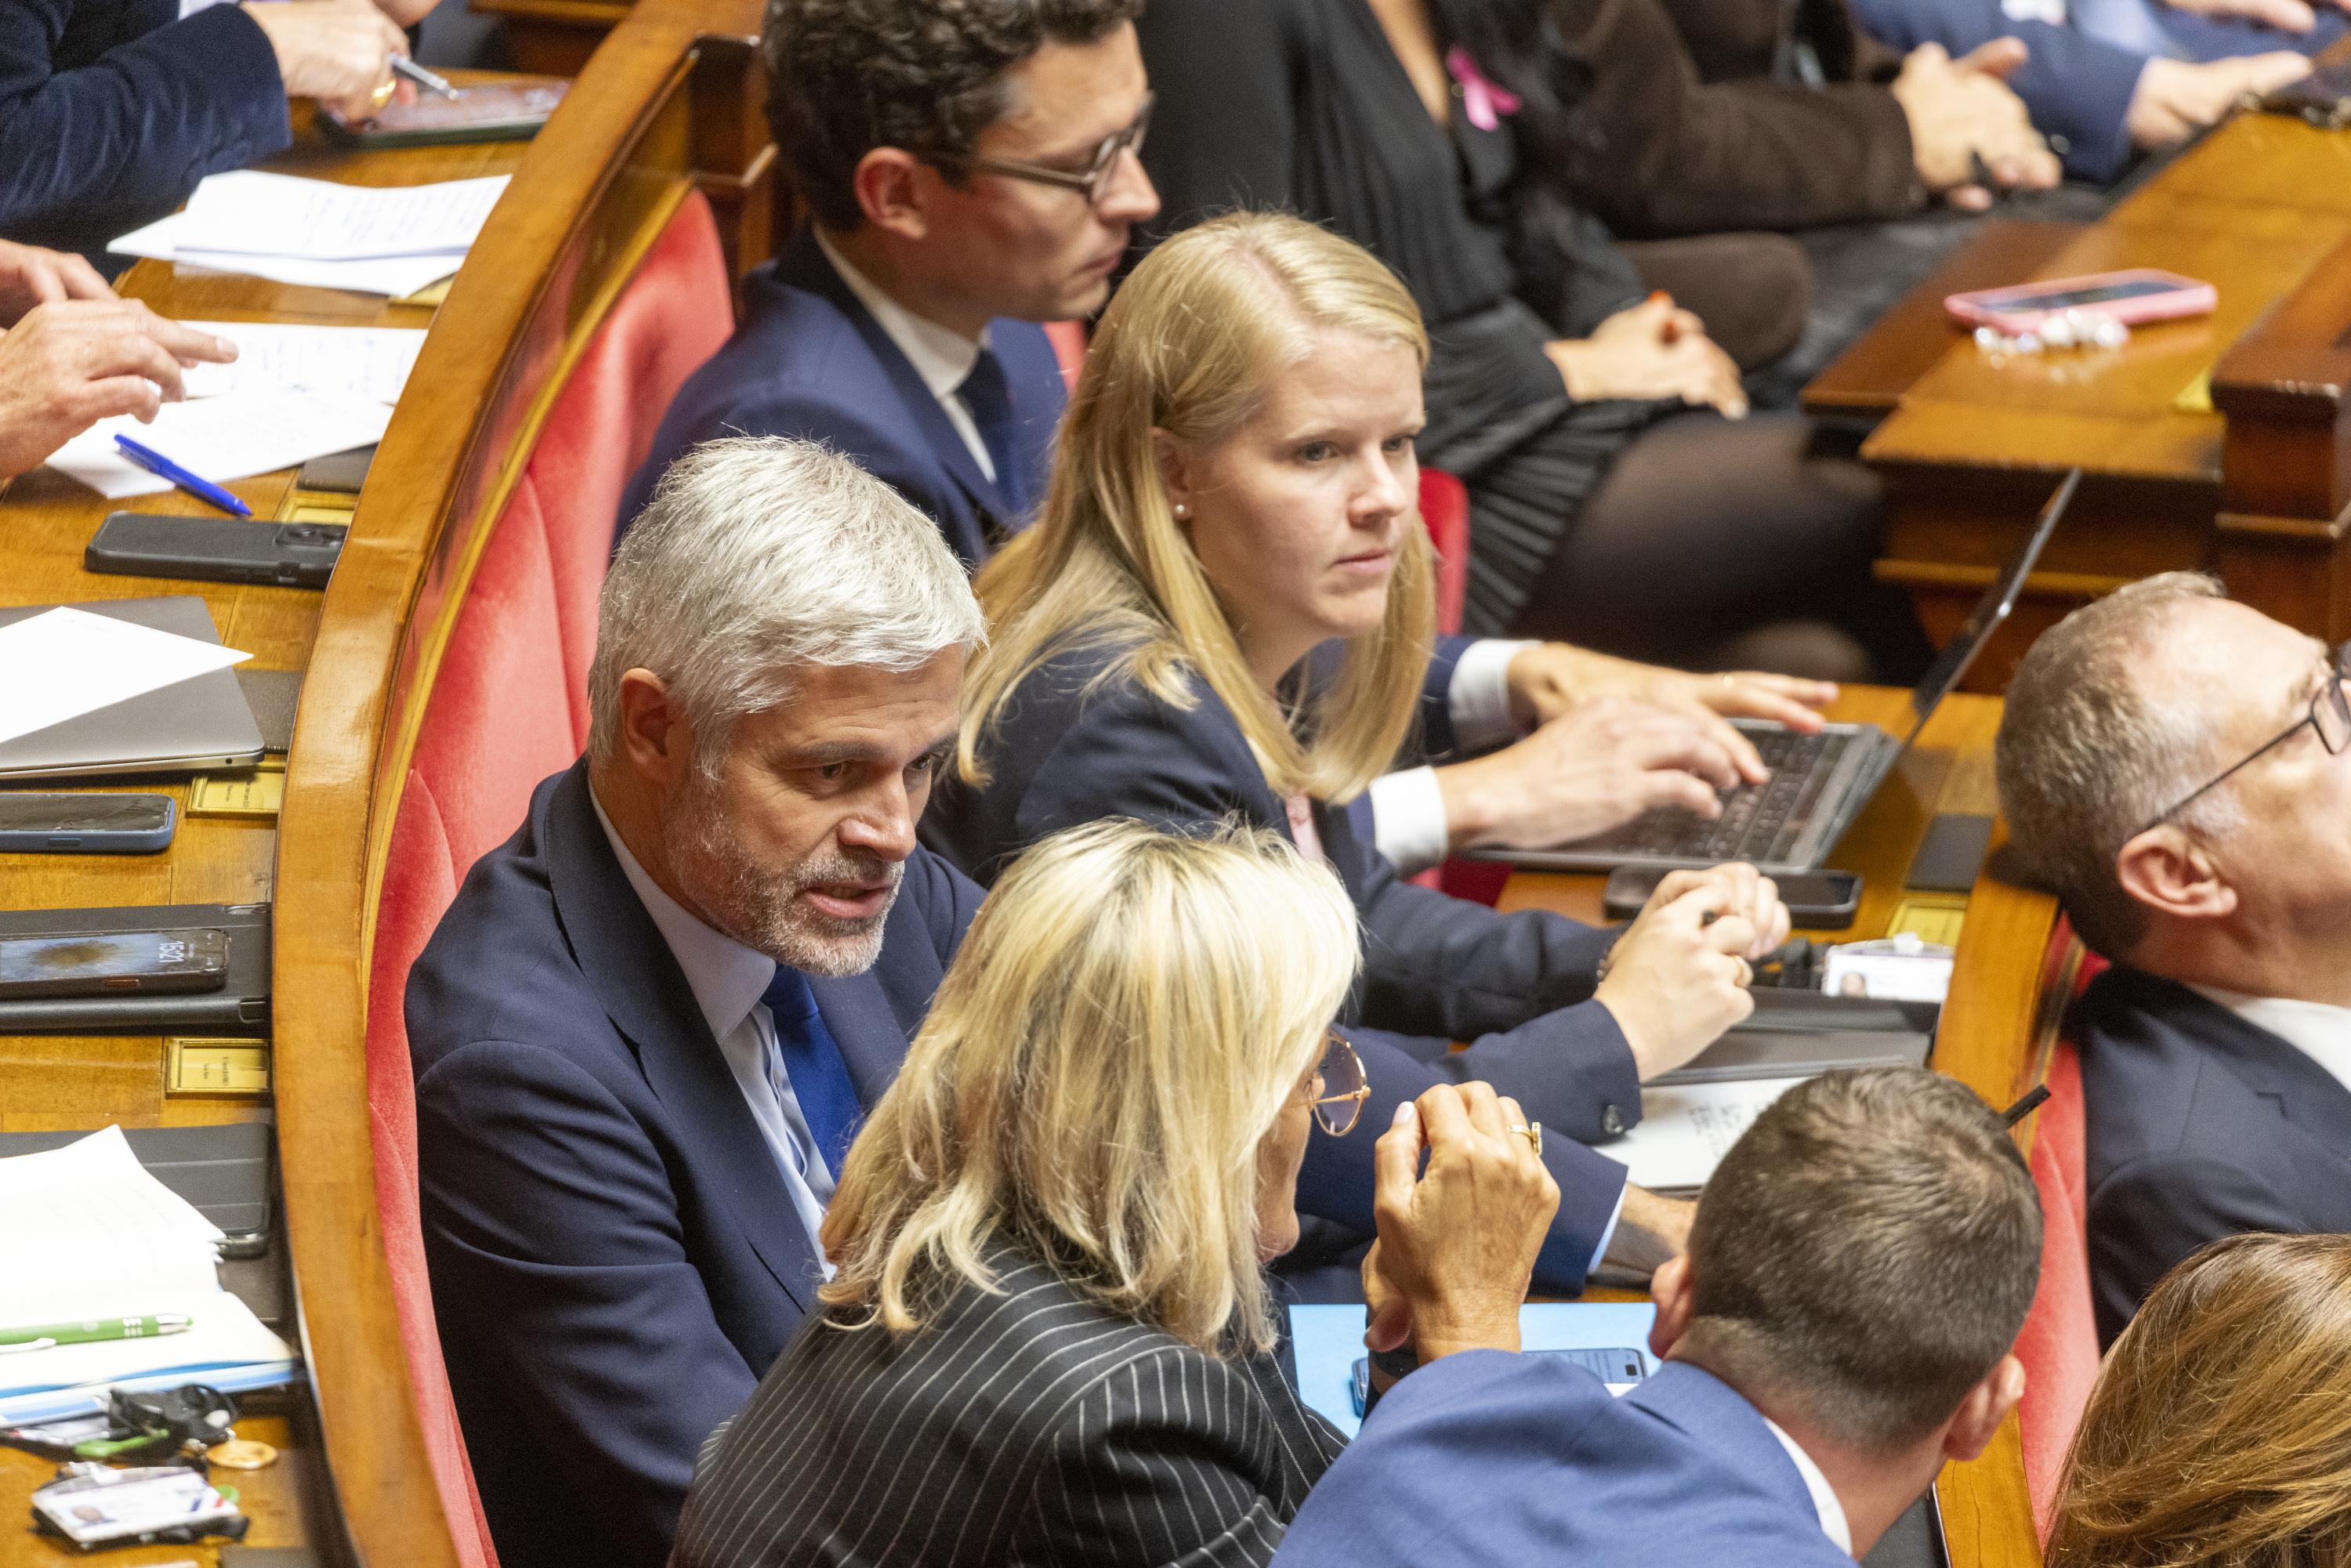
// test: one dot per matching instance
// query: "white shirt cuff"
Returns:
(1608, 1231)
(1408, 819)
(1478, 698)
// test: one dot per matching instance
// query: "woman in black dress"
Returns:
(1612, 504)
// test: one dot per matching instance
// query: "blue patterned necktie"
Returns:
(812, 1063)
(988, 396)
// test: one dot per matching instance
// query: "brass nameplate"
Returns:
(256, 794)
(237, 1069)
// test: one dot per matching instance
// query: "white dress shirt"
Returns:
(940, 355)
(1407, 807)
(2320, 1031)
(727, 980)
(1834, 1524)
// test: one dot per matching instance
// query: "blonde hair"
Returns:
(1128, 1015)
(2219, 1435)
(1192, 345)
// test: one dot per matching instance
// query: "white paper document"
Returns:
(1687, 1128)
(239, 433)
(64, 662)
(366, 362)
(390, 240)
(88, 1233)
(248, 213)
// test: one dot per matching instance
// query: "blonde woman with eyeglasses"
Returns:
(1224, 610)
(1046, 1335)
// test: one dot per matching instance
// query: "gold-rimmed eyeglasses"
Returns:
(1089, 181)
(1339, 1087)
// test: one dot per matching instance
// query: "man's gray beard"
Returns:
(763, 910)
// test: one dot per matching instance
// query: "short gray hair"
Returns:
(757, 555)
(2084, 757)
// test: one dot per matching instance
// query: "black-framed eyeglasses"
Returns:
(1090, 183)
(1340, 1088)
(2329, 718)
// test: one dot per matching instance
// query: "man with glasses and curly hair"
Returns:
(2171, 766)
(969, 172)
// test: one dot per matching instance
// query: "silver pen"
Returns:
(430, 80)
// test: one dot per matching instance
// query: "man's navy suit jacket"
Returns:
(1486, 1457)
(111, 111)
(2199, 1125)
(810, 360)
(1073, 747)
(615, 1260)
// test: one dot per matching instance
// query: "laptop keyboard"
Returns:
(1759, 822)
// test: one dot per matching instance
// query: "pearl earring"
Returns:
(1182, 511)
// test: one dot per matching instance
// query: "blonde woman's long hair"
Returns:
(1126, 1018)
(2219, 1435)
(1192, 345)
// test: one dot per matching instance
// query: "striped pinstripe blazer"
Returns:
(1027, 1428)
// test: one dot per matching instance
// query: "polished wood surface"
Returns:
(2246, 478)
(1987, 1514)
(669, 106)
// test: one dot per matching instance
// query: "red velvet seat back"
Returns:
(509, 707)
(2059, 1346)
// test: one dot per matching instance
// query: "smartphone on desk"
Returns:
(2133, 296)
(215, 550)
(112, 963)
(40, 822)
(1821, 900)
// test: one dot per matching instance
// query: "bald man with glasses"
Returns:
(969, 173)
(2171, 766)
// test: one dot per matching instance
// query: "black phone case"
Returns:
(1628, 888)
(215, 550)
(239, 1007)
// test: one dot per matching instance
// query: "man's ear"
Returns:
(1676, 1294)
(656, 740)
(2167, 870)
(1985, 1407)
(893, 189)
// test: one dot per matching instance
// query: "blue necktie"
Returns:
(988, 396)
(819, 1078)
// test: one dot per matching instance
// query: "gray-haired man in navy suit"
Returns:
(645, 1030)
(2172, 766)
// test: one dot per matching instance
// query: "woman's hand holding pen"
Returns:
(337, 51)
(1653, 349)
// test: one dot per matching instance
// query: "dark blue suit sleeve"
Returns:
(1435, 739)
(2151, 1214)
(2075, 87)
(551, 1217)
(1132, 756)
(104, 145)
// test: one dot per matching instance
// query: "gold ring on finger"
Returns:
(383, 91)
(1532, 1134)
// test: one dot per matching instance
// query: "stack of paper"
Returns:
(1687, 1128)
(370, 239)
(366, 363)
(249, 431)
(90, 1234)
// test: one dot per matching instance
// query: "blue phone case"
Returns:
(65, 840)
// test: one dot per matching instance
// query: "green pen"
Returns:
(41, 1336)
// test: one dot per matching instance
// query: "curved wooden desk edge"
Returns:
(1995, 1036)
(593, 191)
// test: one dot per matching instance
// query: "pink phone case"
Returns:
(2133, 296)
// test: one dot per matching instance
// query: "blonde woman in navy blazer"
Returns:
(1224, 610)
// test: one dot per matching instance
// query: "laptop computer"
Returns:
(185, 727)
(1818, 783)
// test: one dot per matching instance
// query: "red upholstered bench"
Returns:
(508, 705)
(2059, 1346)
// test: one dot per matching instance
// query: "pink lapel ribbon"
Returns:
(1481, 100)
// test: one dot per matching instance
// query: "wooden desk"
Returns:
(1987, 1516)
(2248, 481)
(671, 105)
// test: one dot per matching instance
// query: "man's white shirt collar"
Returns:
(940, 355)
(727, 978)
(2320, 1031)
(1834, 1524)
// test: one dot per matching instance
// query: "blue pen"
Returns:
(154, 462)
